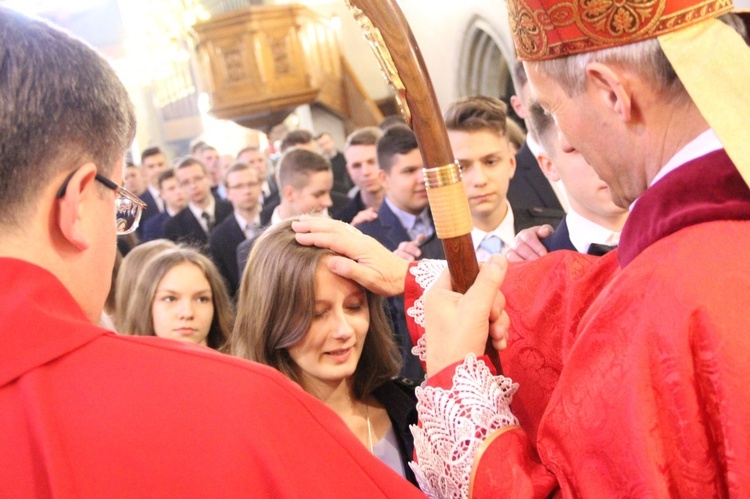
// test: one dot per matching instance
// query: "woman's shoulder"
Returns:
(397, 389)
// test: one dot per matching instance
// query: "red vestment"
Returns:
(87, 413)
(633, 377)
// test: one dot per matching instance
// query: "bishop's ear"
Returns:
(609, 84)
(72, 205)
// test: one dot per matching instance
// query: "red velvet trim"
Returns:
(706, 189)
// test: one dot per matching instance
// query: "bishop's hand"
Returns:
(364, 260)
(456, 324)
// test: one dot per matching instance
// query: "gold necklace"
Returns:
(369, 428)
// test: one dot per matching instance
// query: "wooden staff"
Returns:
(385, 28)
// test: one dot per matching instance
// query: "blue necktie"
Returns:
(492, 245)
(419, 227)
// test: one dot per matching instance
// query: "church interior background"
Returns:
(240, 72)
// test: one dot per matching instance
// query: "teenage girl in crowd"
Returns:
(129, 271)
(180, 295)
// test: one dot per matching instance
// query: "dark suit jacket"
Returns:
(152, 210)
(400, 402)
(560, 239)
(222, 244)
(389, 232)
(243, 251)
(273, 196)
(341, 180)
(530, 193)
(354, 206)
(154, 227)
(185, 228)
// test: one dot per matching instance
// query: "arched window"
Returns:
(483, 70)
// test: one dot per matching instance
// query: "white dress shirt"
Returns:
(583, 232)
(505, 231)
(198, 213)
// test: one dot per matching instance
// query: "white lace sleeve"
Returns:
(425, 274)
(455, 423)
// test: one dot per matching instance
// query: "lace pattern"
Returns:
(420, 349)
(425, 274)
(455, 422)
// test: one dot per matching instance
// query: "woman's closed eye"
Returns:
(355, 306)
(320, 313)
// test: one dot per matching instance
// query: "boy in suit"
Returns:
(361, 156)
(153, 162)
(243, 184)
(174, 201)
(404, 215)
(478, 135)
(403, 222)
(305, 182)
(530, 191)
(193, 224)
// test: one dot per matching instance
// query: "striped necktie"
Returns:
(207, 218)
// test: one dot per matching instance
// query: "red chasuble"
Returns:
(87, 413)
(633, 377)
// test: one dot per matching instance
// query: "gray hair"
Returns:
(646, 58)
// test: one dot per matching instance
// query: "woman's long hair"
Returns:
(139, 319)
(130, 269)
(276, 305)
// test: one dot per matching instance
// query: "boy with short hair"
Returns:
(477, 132)
(404, 215)
(174, 202)
(360, 152)
(305, 181)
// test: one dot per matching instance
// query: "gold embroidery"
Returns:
(572, 27)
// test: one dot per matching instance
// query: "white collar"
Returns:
(157, 198)
(210, 209)
(534, 146)
(275, 217)
(583, 232)
(244, 223)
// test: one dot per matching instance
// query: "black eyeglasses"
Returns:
(129, 207)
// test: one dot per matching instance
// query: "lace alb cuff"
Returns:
(425, 274)
(454, 424)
